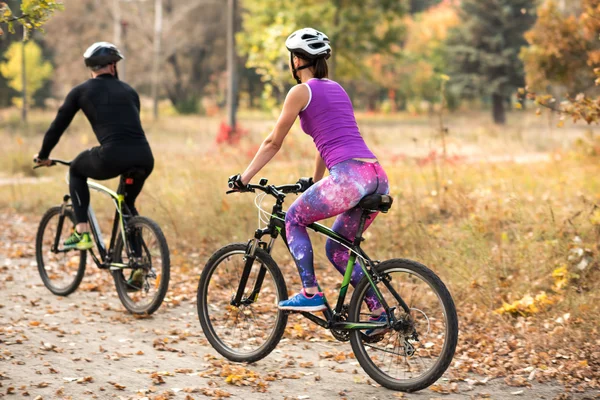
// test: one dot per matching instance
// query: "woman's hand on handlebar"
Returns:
(305, 183)
(235, 183)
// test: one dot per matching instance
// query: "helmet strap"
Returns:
(295, 70)
(116, 72)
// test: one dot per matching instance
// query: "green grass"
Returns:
(493, 231)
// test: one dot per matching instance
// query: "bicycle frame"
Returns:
(119, 224)
(118, 228)
(104, 260)
(333, 320)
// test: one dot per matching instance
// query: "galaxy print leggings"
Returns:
(337, 194)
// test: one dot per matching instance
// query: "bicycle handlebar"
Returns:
(53, 162)
(276, 191)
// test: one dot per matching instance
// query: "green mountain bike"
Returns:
(241, 285)
(137, 246)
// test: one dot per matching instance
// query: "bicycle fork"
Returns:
(61, 221)
(249, 259)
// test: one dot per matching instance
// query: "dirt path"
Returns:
(86, 346)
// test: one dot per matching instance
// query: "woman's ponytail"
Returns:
(321, 68)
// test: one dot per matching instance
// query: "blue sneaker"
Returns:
(377, 331)
(302, 302)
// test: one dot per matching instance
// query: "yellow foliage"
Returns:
(37, 71)
(420, 71)
(595, 218)
(527, 305)
(427, 32)
(561, 277)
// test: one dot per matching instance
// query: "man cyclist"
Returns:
(113, 109)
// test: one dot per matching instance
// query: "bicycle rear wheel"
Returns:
(61, 270)
(250, 332)
(152, 261)
(417, 354)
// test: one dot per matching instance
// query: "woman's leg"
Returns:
(310, 207)
(349, 182)
(346, 225)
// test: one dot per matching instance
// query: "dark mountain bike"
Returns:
(137, 246)
(241, 285)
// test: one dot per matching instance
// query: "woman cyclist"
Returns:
(326, 114)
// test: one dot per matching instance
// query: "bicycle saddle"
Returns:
(376, 202)
(135, 173)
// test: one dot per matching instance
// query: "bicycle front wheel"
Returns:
(142, 285)
(61, 270)
(418, 351)
(251, 331)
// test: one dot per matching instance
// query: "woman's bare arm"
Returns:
(295, 101)
(319, 168)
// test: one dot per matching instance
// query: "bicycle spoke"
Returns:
(396, 355)
(147, 269)
(245, 329)
(61, 269)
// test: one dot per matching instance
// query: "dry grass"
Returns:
(495, 231)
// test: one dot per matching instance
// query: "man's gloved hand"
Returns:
(41, 163)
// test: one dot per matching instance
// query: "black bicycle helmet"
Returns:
(101, 54)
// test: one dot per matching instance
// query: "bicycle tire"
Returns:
(447, 353)
(39, 243)
(163, 286)
(202, 304)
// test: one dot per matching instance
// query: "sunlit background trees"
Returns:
(390, 55)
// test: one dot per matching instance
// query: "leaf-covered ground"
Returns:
(88, 346)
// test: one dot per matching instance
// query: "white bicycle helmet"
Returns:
(309, 43)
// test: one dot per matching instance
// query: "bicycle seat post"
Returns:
(361, 226)
(121, 188)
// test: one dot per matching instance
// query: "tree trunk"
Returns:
(336, 36)
(24, 77)
(156, 61)
(231, 65)
(498, 109)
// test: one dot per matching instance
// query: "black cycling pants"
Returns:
(107, 162)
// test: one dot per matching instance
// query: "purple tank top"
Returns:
(329, 120)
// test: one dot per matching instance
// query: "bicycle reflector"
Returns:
(129, 181)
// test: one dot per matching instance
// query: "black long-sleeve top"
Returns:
(111, 106)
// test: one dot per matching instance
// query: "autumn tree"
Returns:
(417, 6)
(37, 70)
(193, 39)
(576, 61)
(483, 51)
(32, 14)
(563, 49)
(416, 70)
(356, 30)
